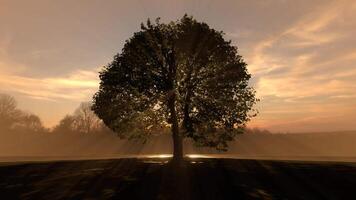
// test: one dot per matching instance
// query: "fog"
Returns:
(313, 146)
(81, 135)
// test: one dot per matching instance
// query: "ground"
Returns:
(198, 179)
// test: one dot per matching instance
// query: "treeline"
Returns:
(82, 121)
(77, 134)
(14, 120)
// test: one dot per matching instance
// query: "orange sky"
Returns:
(301, 53)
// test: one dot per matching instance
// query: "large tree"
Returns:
(183, 74)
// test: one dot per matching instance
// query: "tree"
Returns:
(30, 123)
(11, 118)
(83, 120)
(182, 74)
(256, 131)
(66, 125)
(9, 114)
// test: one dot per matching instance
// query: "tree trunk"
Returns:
(177, 145)
(177, 138)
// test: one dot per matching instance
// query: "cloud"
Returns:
(286, 53)
(309, 69)
(313, 28)
(301, 53)
(77, 86)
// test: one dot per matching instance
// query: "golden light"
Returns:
(198, 156)
(160, 156)
(170, 156)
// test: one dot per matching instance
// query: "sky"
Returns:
(301, 54)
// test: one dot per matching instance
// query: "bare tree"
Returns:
(85, 119)
(9, 114)
(31, 122)
(11, 118)
(66, 125)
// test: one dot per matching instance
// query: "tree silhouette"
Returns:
(30, 123)
(83, 120)
(66, 125)
(182, 74)
(13, 119)
(9, 114)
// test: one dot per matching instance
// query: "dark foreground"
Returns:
(199, 179)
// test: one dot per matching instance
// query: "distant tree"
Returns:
(182, 74)
(257, 131)
(66, 125)
(11, 118)
(83, 120)
(30, 123)
(9, 114)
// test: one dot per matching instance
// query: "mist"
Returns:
(81, 135)
(306, 146)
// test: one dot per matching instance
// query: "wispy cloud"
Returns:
(287, 51)
(301, 54)
(313, 28)
(310, 59)
(77, 86)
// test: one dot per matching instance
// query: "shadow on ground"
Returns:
(199, 179)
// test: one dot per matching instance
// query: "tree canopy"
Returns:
(183, 74)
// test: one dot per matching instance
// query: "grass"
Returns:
(155, 178)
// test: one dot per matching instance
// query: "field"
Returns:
(200, 178)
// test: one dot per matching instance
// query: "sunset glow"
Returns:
(301, 54)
